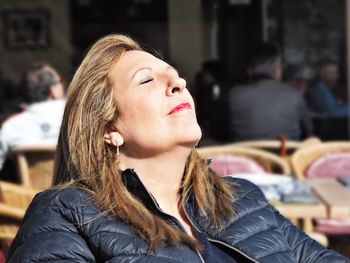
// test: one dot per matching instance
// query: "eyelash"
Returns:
(146, 81)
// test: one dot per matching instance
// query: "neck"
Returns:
(161, 175)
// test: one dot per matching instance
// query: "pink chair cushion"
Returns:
(332, 226)
(228, 165)
(330, 165)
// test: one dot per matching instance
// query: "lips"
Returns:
(180, 107)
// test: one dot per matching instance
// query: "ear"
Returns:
(113, 138)
(56, 91)
(51, 94)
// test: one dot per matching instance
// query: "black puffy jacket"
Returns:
(64, 226)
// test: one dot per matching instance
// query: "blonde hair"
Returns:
(86, 160)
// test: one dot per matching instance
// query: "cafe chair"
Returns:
(14, 200)
(282, 146)
(306, 161)
(326, 160)
(230, 159)
(34, 165)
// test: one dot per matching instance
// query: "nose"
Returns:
(175, 85)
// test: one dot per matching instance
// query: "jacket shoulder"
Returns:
(66, 196)
(54, 219)
(65, 201)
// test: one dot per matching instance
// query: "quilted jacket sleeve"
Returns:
(49, 232)
(306, 249)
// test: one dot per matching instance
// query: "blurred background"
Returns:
(290, 117)
(186, 33)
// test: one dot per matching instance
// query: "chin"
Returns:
(193, 135)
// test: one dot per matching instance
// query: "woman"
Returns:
(133, 189)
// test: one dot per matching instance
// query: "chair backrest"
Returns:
(14, 200)
(280, 147)
(303, 158)
(35, 165)
(17, 197)
(271, 163)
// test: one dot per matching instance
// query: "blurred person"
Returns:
(130, 186)
(43, 105)
(266, 108)
(321, 97)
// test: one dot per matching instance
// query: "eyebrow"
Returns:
(150, 69)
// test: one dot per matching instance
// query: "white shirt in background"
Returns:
(38, 124)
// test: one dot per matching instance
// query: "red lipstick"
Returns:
(180, 107)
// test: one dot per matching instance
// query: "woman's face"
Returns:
(156, 110)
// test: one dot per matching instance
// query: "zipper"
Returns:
(233, 248)
(200, 256)
(218, 241)
(148, 192)
(175, 221)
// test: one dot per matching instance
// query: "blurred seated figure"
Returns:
(321, 97)
(39, 123)
(265, 108)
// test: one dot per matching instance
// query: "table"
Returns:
(301, 210)
(334, 195)
(334, 203)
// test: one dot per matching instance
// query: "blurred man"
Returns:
(266, 108)
(321, 97)
(40, 121)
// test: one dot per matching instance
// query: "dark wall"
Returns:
(314, 29)
(240, 28)
(146, 21)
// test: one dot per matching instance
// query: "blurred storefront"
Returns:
(184, 32)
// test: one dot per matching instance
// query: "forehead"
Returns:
(133, 60)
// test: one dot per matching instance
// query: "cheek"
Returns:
(139, 111)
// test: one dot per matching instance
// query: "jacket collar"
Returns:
(233, 234)
(137, 188)
(134, 185)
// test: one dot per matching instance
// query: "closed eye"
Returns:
(146, 81)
